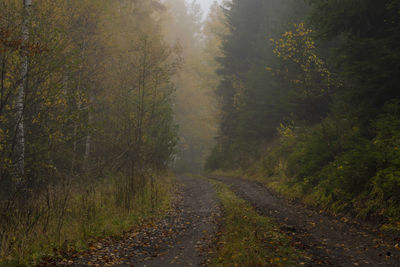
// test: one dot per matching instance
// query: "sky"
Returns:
(205, 4)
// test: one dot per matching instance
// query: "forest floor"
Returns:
(335, 241)
(187, 235)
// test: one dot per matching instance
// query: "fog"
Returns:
(104, 105)
(206, 4)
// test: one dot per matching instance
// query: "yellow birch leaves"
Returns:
(298, 48)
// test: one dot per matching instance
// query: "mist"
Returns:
(162, 132)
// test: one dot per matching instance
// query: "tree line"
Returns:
(86, 118)
(309, 98)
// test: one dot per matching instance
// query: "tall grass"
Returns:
(68, 215)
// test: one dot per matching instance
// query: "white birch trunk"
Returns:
(20, 136)
(89, 135)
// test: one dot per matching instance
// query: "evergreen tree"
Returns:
(252, 98)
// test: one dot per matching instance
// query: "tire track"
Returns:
(328, 239)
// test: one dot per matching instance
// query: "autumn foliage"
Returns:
(97, 116)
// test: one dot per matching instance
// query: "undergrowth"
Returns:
(84, 216)
(336, 165)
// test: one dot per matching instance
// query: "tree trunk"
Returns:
(20, 136)
(89, 135)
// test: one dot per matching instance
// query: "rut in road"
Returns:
(327, 239)
(182, 238)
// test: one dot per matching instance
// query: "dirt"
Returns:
(186, 235)
(329, 240)
(183, 238)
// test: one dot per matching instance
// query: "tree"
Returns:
(250, 96)
(310, 81)
(20, 136)
(367, 33)
(91, 85)
(194, 107)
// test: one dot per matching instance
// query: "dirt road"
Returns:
(182, 238)
(200, 210)
(329, 240)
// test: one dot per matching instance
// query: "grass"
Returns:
(249, 239)
(278, 184)
(316, 198)
(89, 216)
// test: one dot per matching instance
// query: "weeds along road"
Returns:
(329, 240)
(186, 235)
(182, 238)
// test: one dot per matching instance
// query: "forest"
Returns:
(130, 127)
(309, 101)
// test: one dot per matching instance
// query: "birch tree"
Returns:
(20, 136)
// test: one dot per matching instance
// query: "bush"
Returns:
(343, 168)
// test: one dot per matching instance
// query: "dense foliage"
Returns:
(86, 118)
(309, 91)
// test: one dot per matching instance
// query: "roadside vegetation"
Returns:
(70, 227)
(302, 95)
(311, 104)
(91, 95)
(87, 130)
(249, 239)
